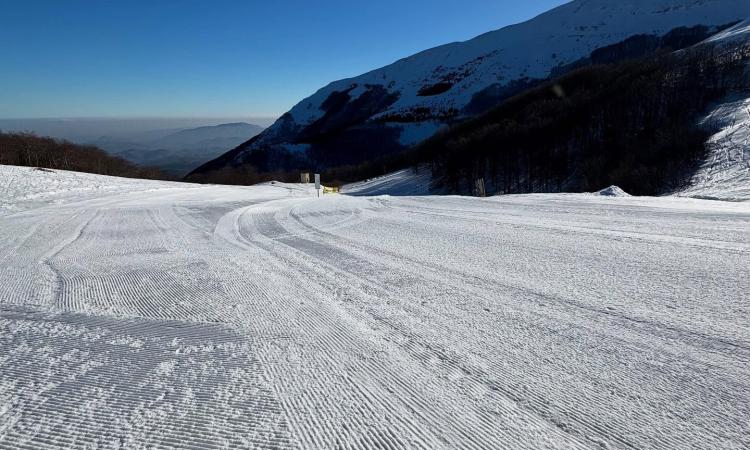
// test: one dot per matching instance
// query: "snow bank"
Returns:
(23, 188)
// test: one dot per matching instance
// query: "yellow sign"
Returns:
(331, 190)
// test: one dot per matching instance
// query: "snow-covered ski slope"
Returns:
(164, 315)
(725, 174)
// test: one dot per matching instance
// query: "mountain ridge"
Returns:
(392, 108)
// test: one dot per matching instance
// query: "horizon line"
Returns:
(235, 116)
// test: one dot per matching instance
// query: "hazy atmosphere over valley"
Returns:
(375, 225)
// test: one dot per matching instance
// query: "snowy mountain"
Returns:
(391, 108)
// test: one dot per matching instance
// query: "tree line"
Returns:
(27, 149)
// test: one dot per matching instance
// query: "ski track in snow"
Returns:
(146, 314)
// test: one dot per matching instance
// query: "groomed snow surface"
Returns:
(141, 314)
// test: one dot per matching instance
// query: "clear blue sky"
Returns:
(177, 58)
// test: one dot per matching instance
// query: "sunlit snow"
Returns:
(138, 314)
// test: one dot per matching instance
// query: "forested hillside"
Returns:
(25, 149)
(633, 124)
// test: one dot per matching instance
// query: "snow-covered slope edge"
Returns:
(406, 182)
(398, 105)
(725, 174)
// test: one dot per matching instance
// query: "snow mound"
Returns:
(612, 191)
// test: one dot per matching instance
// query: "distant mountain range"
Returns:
(177, 152)
(175, 145)
(390, 109)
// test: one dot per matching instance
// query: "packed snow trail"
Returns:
(167, 315)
